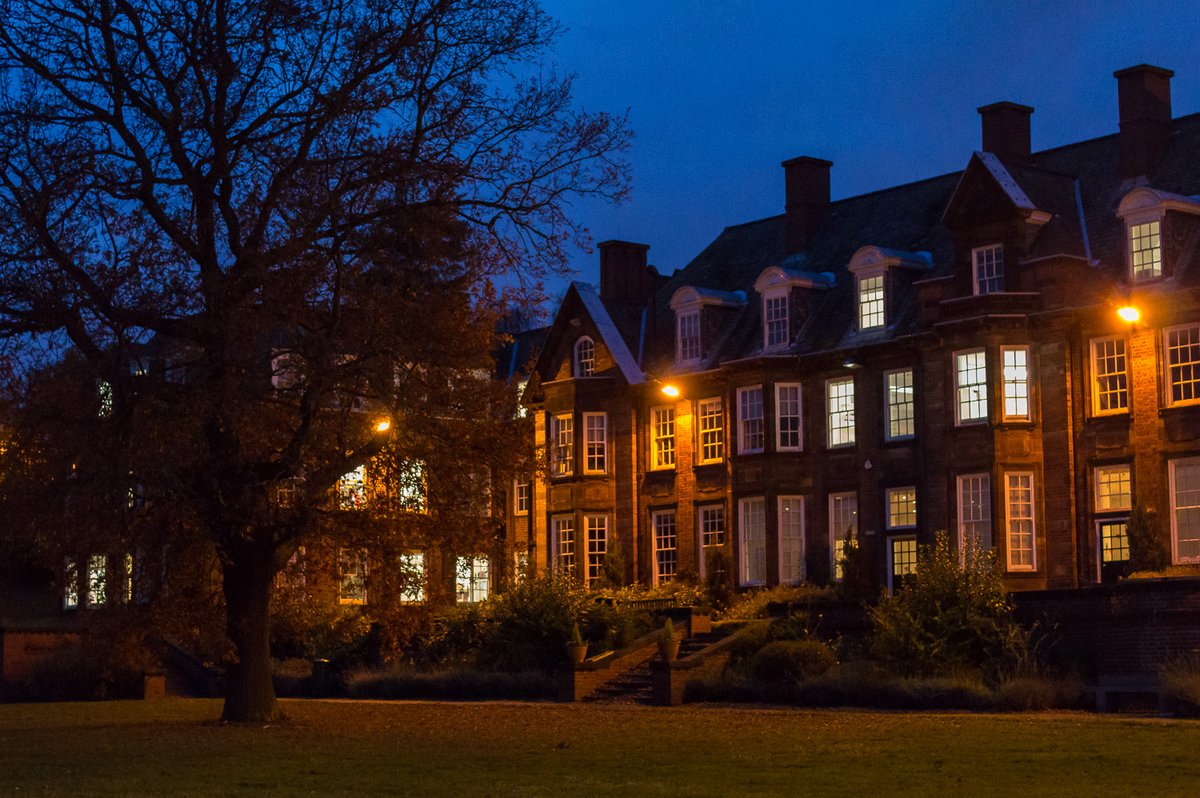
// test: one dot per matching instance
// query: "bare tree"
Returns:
(320, 190)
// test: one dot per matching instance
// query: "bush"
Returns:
(455, 684)
(1031, 693)
(859, 582)
(292, 678)
(1149, 547)
(753, 603)
(303, 629)
(527, 627)
(954, 617)
(792, 661)
(1179, 681)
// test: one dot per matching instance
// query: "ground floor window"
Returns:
(412, 577)
(903, 560)
(1184, 478)
(97, 580)
(562, 543)
(1020, 520)
(752, 564)
(1114, 540)
(791, 540)
(597, 544)
(472, 579)
(843, 527)
(666, 553)
(352, 575)
(974, 512)
(70, 584)
(711, 519)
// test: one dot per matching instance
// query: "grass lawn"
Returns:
(411, 748)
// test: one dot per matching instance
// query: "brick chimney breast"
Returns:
(806, 199)
(624, 275)
(1006, 130)
(1144, 105)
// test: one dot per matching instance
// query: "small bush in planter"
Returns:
(792, 661)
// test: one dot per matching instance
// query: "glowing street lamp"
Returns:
(1129, 313)
(671, 391)
(383, 426)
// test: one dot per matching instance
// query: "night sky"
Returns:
(720, 92)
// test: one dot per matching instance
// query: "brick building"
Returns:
(944, 354)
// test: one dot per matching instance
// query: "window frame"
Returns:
(1097, 470)
(522, 486)
(1169, 383)
(782, 297)
(837, 539)
(1096, 376)
(683, 319)
(798, 416)
(985, 509)
(472, 579)
(799, 514)
(662, 444)
(562, 456)
(703, 533)
(976, 281)
(744, 564)
(881, 300)
(559, 554)
(959, 419)
(1032, 566)
(600, 454)
(887, 507)
(411, 594)
(1027, 382)
(596, 541)
(1102, 558)
(361, 557)
(830, 427)
(578, 361)
(1131, 226)
(1172, 503)
(892, 576)
(659, 577)
(888, 405)
(718, 430)
(743, 448)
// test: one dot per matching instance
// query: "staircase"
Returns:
(635, 686)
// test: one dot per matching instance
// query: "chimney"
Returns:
(1144, 101)
(806, 199)
(624, 275)
(1006, 131)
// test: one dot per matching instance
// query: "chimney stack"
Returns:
(1144, 103)
(1006, 130)
(806, 197)
(624, 275)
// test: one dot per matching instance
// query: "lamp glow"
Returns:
(671, 391)
(1129, 313)
(383, 426)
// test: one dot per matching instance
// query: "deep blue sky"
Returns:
(720, 92)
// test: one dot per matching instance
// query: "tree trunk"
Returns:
(249, 692)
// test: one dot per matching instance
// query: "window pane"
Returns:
(775, 319)
(596, 434)
(840, 404)
(412, 577)
(1016, 382)
(1113, 488)
(662, 423)
(689, 337)
(1114, 540)
(1185, 508)
(975, 511)
(750, 416)
(712, 433)
(843, 525)
(901, 507)
(1020, 521)
(989, 269)
(562, 445)
(1145, 251)
(597, 545)
(585, 358)
(753, 570)
(870, 302)
(1183, 363)
(563, 541)
(904, 556)
(472, 579)
(900, 405)
(712, 525)
(787, 412)
(665, 553)
(971, 379)
(1111, 385)
(791, 540)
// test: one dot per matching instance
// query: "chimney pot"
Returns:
(1144, 106)
(624, 275)
(1006, 130)
(806, 198)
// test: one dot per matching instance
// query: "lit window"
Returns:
(843, 527)
(1021, 525)
(712, 431)
(352, 489)
(752, 567)
(1110, 381)
(522, 411)
(1145, 251)
(97, 580)
(662, 434)
(1183, 363)
(791, 540)
(285, 371)
(901, 507)
(689, 337)
(352, 576)
(1016, 382)
(412, 577)
(596, 528)
(904, 559)
(775, 320)
(585, 357)
(1114, 539)
(522, 496)
(563, 541)
(840, 411)
(410, 486)
(105, 392)
(520, 565)
(595, 431)
(974, 511)
(750, 420)
(712, 525)
(901, 422)
(472, 578)
(988, 266)
(870, 302)
(970, 380)
(665, 546)
(1185, 508)
(1114, 489)
(562, 445)
(70, 584)
(788, 436)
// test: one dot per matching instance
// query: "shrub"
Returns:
(292, 678)
(527, 627)
(792, 661)
(456, 684)
(1030, 693)
(859, 582)
(306, 629)
(753, 604)
(1179, 681)
(954, 616)
(1149, 548)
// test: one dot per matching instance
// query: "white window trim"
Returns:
(517, 483)
(803, 533)
(887, 405)
(702, 549)
(568, 462)
(887, 507)
(654, 516)
(1095, 377)
(575, 360)
(975, 269)
(829, 444)
(892, 540)
(767, 297)
(587, 443)
(1033, 505)
(654, 438)
(604, 527)
(1172, 465)
(1004, 415)
(700, 458)
(836, 535)
(1132, 220)
(1098, 525)
(743, 563)
(959, 421)
(415, 593)
(779, 416)
(741, 434)
(555, 563)
(1096, 488)
(1166, 366)
(680, 315)
(958, 482)
(858, 300)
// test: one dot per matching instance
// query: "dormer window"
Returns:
(870, 302)
(1145, 250)
(585, 357)
(775, 320)
(988, 266)
(688, 337)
